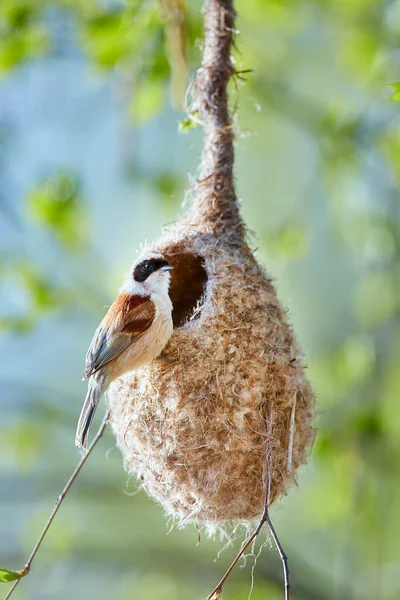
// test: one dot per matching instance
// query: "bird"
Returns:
(135, 330)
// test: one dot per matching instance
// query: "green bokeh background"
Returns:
(92, 163)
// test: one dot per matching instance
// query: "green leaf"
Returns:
(190, 123)
(395, 97)
(6, 576)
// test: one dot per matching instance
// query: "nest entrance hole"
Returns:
(188, 281)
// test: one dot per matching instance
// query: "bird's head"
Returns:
(149, 275)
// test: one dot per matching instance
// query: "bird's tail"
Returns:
(96, 388)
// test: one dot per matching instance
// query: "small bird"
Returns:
(134, 331)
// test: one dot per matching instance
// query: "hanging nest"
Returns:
(226, 411)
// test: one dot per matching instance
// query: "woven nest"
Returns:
(221, 421)
(226, 399)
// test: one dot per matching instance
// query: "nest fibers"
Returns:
(226, 400)
(221, 421)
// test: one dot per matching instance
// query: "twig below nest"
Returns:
(216, 593)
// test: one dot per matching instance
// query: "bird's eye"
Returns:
(144, 270)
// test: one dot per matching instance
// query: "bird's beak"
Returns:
(167, 268)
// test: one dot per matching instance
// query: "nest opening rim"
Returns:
(188, 284)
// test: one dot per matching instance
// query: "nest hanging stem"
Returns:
(215, 198)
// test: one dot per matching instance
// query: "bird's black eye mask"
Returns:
(146, 268)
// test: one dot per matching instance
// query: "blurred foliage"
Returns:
(56, 203)
(22, 33)
(147, 101)
(32, 295)
(395, 97)
(290, 241)
(319, 170)
(23, 443)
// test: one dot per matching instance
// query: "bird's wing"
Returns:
(129, 318)
(104, 347)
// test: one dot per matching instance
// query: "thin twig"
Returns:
(217, 591)
(283, 557)
(58, 503)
